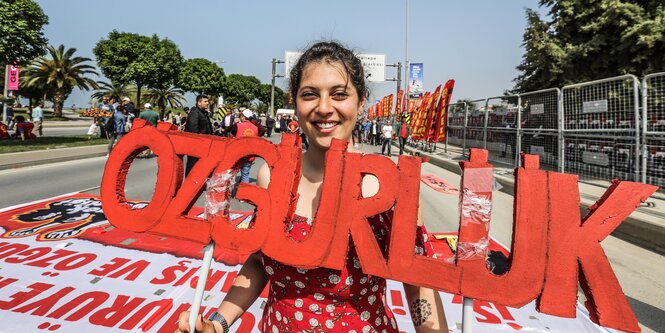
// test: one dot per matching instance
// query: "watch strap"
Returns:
(216, 316)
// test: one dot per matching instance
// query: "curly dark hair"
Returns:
(331, 52)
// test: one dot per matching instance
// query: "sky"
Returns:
(475, 42)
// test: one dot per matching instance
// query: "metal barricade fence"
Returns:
(601, 128)
(653, 130)
(540, 129)
(475, 128)
(591, 129)
(501, 129)
(456, 126)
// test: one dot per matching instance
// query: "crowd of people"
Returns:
(382, 132)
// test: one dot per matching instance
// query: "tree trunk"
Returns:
(162, 111)
(138, 97)
(58, 103)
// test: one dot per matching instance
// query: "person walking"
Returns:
(375, 133)
(322, 299)
(129, 107)
(366, 131)
(149, 115)
(283, 124)
(105, 106)
(198, 122)
(244, 128)
(115, 128)
(387, 133)
(10, 117)
(37, 116)
(270, 124)
(404, 132)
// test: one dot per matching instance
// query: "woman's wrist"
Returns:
(219, 323)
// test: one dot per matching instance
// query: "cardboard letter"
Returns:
(575, 245)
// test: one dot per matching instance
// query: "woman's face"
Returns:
(327, 103)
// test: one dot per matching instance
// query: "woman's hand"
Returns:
(202, 325)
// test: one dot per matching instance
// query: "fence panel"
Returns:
(601, 128)
(502, 125)
(457, 113)
(540, 130)
(475, 128)
(653, 124)
(596, 157)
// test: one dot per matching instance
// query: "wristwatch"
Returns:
(215, 316)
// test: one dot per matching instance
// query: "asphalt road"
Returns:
(639, 271)
(64, 131)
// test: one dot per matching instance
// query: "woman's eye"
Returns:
(340, 94)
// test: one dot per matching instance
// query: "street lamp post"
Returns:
(4, 95)
(272, 86)
(406, 59)
(399, 83)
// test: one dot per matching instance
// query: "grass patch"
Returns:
(43, 143)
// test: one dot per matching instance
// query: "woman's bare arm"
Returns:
(425, 306)
(246, 288)
(251, 279)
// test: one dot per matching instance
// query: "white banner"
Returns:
(102, 279)
(375, 66)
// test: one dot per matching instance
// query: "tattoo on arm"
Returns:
(421, 310)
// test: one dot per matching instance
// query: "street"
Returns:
(65, 131)
(638, 270)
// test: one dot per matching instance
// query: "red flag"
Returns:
(419, 126)
(390, 105)
(430, 120)
(442, 111)
(399, 103)
(413, 111)
(380, 113)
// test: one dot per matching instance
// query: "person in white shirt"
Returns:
(387, 132)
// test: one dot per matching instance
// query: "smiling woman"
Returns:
(329, 91)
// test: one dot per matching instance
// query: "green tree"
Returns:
(21, 31)
(263, 95)
(35, 94)
(144, 61)
(588, 40)
(117, 91)
(161, 97)
(241, 89)
(201, 76)
(60, 74)
(543, 55)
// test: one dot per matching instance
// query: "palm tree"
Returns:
(161, 97)
(60, 74)
(117, 91)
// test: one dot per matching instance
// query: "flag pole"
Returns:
(467, 315)
(200, 285)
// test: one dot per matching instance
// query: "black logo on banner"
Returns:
(63, 219)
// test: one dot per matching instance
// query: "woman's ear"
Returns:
(361, 105)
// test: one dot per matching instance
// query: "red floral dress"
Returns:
(328, 300)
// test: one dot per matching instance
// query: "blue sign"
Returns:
(415, 80)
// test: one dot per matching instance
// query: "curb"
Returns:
(38, 157)
(636, 230)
